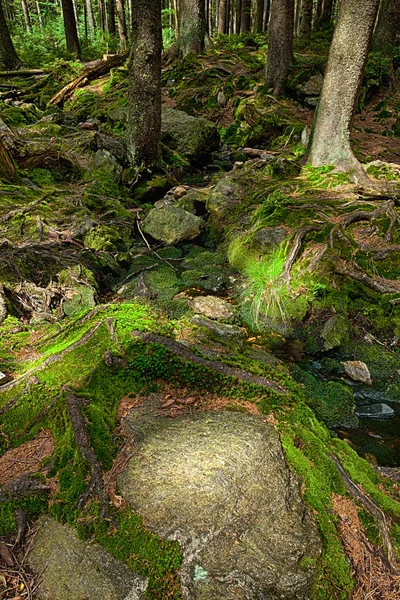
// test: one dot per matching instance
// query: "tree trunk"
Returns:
(90, 18)
(71, 34)
(387, 27)
(280, 48)
(317, 14)
(144, 120)
(8, 56)
(238, 16)
(326, 14)
(222, 16)
(191, 27)
(39, 14)
(245, 17)
(305, 20)
(122, 31)
(7, 167)
(267, 6)
(258, 16)
(111, 17)
(27, 17)
(330, 138)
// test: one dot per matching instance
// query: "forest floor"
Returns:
(97, 316)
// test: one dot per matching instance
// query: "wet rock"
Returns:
(105, 161)
(212, 307)
(71, 569)
(376, 411)
(218, 483)
(221, 332)
(194, 138)
(335, 332)
(269, 238)
(171, 225)
(358, 371)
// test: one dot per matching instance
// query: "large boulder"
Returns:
(72, 569)
(219, 484)
(195, 138)
(171, 224)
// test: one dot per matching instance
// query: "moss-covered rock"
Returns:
(192, 137)
(171, 224)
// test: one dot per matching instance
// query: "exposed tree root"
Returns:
(295, 249)
(52, 359)
(378, 284)
(22, 487)
(182, 351)
(22, 211)
(374, 510)
(96, 483)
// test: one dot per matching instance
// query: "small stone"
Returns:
(269, 238)
(212, 307)
(335, 332)
(358, 371)
(375, 411)
(221, 99)
(221, 332)
(106, 162)
(88, 126)
(180, 191)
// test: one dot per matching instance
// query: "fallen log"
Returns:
(88, 75)
(22, 73)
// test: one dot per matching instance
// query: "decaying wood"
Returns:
(96, 483)
(379, 284)
(11, 142)
(373, 510)
(182, 351)
(7, 167)
(88, 75)
(22, 73)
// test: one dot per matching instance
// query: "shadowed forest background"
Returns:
(199, 299)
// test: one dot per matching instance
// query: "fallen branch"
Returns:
(22, 73)
(96, 483)
(182, 351)
(88, 75)
(373, 510)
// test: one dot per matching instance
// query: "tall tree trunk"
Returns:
(238, 16)
(122, 31)
(330, 138)
(191, 27)
(71, 33)
(267, 6)
(305, 20)
(90, 18)
(111, 18)
(8, 56)
(245, 17)
(27, 17)
(258, 16)
(387, 27)
(326, 14)
(39, 14)
(222, 16)
(144, 120)
(280, 47)
(317, 14)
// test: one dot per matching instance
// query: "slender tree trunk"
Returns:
(238, 16)
(122, 31)
(245, 17)
(71, 34)
(280, 48)
(111, 18)
(8, 56)
(90, 18)
(222, 16)
(258, 16)
(27, 17)
(39, 14)
(317, 14)
(326, 14)
(144, 121)
(191, 27)
(388, 26)
(330, 139)
(267, 6)
(305, 21)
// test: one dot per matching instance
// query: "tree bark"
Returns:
(305, 19)
(111, 17)
(330, 138)
(71, 33)
(27, 18)
(280, 48)
(8, 55)
(245, 17)
(191, 27)
(144, 119)
(258, 16)
(387, 27)
(326, 14)
(267, 6)
(223, 16)
(90, 18)
(7, 167)
(238, 16)
(122, 31)
(39, 14)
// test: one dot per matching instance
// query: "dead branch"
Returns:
(373, 510)
(22, 73)
(182, 351)
(96, 483)
(88, 75)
